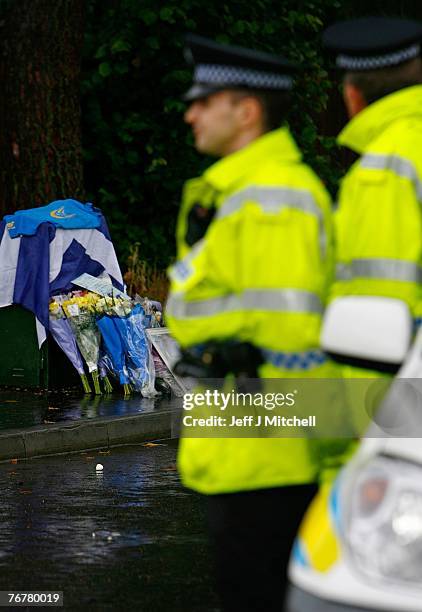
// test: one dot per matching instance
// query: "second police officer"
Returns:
(379, 222)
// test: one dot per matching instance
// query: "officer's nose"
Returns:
(191, 113)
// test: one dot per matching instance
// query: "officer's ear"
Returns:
(353, 98)
(250, 111)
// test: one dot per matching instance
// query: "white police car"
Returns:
(359, 548)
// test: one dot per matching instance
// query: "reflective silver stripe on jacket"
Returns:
(269, 300)
(274, 199)
(399, 165)
(382, 269)
(271, 199)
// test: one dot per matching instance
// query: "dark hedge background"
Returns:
(136, 149)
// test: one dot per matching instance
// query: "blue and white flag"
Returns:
(33, 268)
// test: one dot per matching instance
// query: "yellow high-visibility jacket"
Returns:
(378, 225)
(260, 274)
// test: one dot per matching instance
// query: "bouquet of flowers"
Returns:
(80, 311)
(139, 360)
(62, 333)
(114, 353)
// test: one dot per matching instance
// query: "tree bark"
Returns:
(40, 139)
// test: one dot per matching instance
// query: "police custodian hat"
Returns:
(371, 43)
(218, 66)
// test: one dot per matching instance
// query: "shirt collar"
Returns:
(369, 123)
(277, 144)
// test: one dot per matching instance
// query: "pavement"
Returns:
(36, 424)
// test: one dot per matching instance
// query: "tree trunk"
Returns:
(40, 140)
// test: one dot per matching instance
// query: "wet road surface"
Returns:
(127, 538)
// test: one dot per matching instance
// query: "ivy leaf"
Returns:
(166, 14)
(120, 45)
(148, 16)
(101, 52)
(104, 69)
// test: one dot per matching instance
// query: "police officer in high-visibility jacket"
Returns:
(254, 262)
(378, 224)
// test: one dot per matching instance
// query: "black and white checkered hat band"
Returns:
(236, 76)
(381, 61)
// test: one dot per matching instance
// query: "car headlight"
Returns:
(383, 522)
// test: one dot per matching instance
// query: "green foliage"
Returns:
(138, 152)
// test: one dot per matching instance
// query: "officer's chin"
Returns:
(200, 144)
(205, 147)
